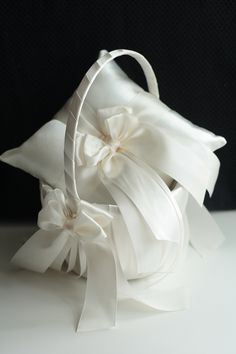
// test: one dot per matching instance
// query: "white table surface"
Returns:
(37, 312)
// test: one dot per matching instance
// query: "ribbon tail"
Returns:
(100, 304)
(172, 297)
(175, 297)
(41, 250)
(151, 196)
(205, 235)
(180, 159)
(148, 208)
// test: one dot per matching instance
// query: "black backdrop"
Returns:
(47, 46)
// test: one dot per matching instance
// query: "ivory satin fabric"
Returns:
(111, 88)
(142, 172)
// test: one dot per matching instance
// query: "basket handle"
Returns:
(75, 109)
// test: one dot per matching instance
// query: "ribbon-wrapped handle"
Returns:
(76, 106)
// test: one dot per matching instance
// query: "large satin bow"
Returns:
(134, 157)
(118, 148)
(80, 237)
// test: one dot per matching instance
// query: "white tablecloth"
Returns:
(37, 312)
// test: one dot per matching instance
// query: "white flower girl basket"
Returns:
(135, 176)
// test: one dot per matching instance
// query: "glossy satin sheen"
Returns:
(136, 174)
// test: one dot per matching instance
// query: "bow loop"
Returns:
(120, 125)
(117, 127)
(86, 224)
(90, 150)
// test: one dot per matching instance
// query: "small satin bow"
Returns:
(76, 238)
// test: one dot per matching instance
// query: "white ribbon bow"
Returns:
(144, 200)
(132, 156)
(74, 238)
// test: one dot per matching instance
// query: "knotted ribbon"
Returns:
(74, 238)
(132, 158)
